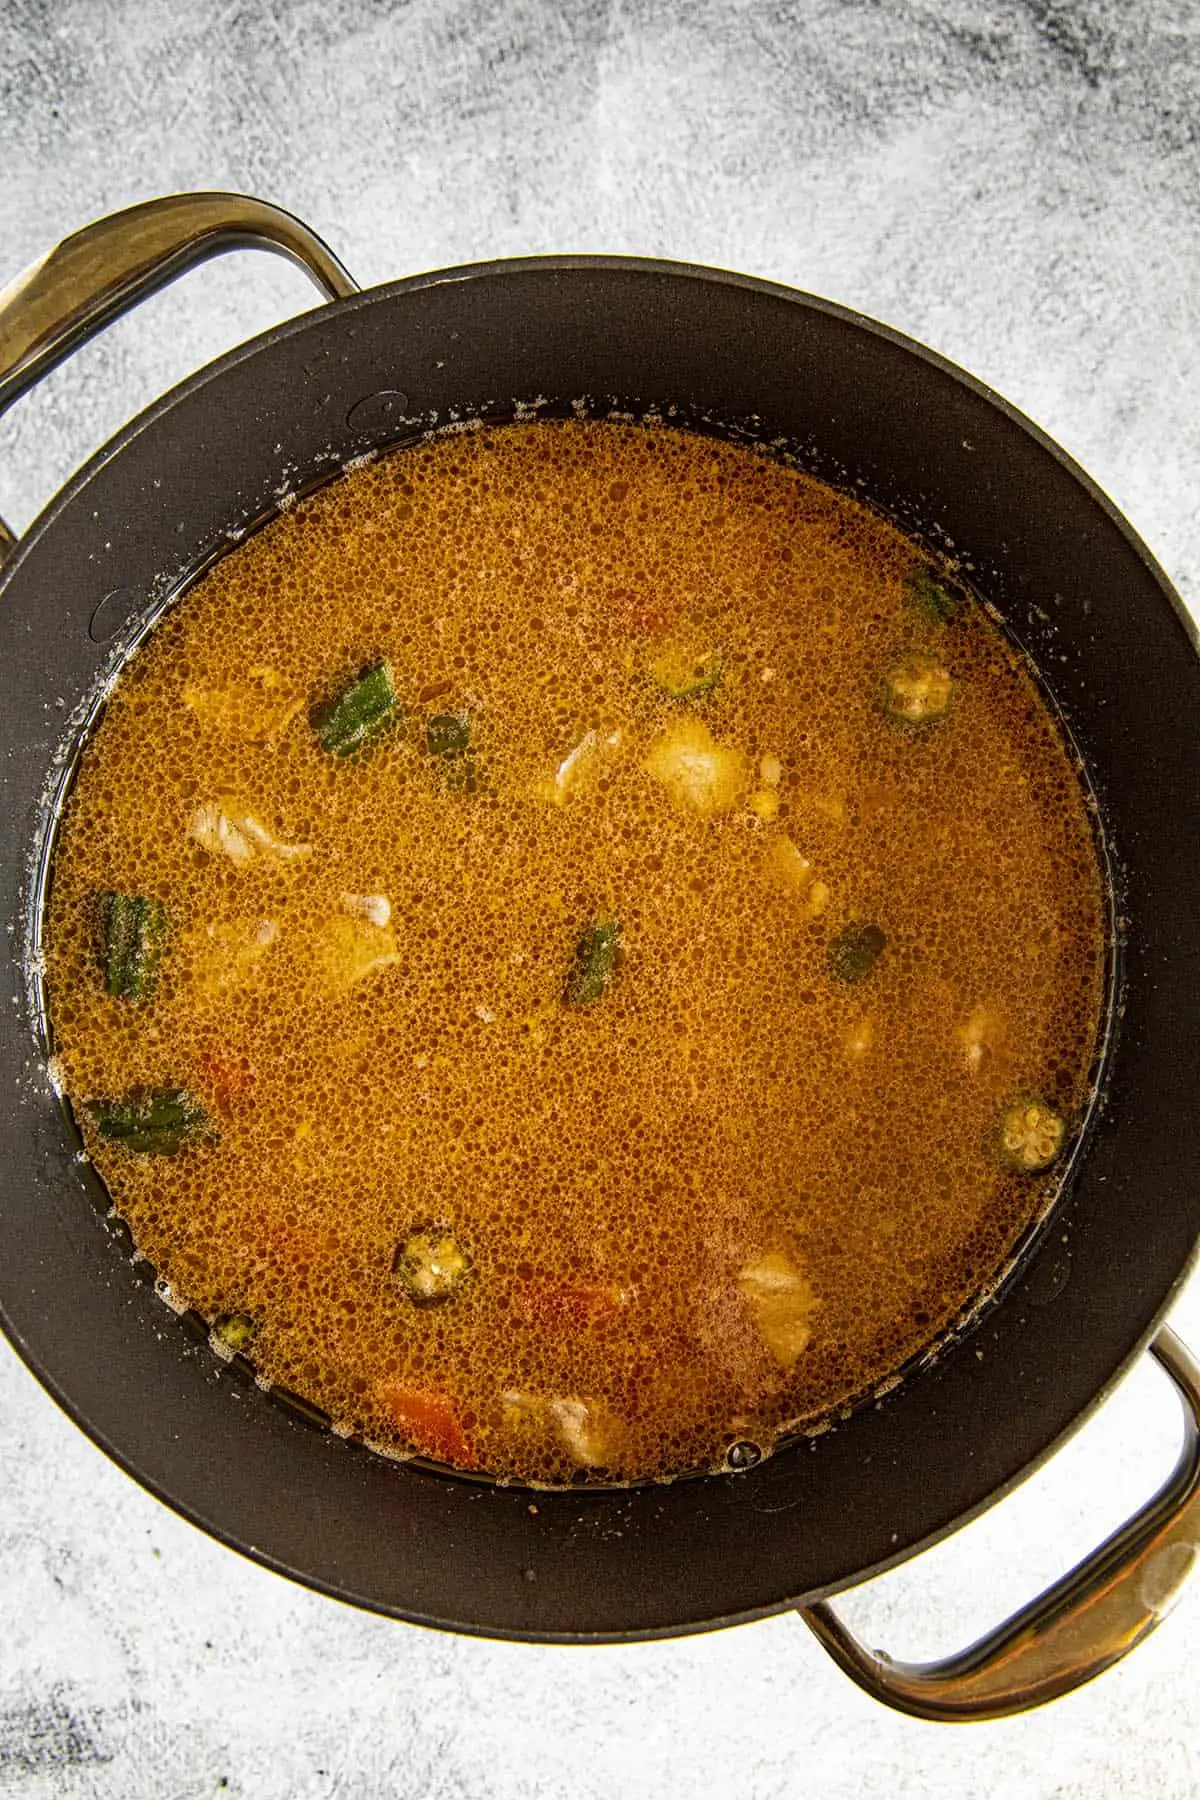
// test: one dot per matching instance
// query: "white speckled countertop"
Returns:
(1015, 182)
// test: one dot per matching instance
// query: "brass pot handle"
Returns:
(1080, 1626)
(98, 273)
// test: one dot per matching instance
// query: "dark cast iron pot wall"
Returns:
(948, 459)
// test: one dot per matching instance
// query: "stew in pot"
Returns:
(579, 949)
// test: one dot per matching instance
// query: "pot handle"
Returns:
(1080, 1626)
(96, 274)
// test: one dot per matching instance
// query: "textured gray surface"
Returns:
(1016, 183)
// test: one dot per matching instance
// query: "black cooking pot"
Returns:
(950, 462)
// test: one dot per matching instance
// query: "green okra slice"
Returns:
(855, 951)
(448, 741)
(235, 1331)
(918, 690)
(929, 594)
(594, 964)
(687, 671)
(448, 735)
(1032, 1134)
(357, 713)
(133, 932)
(152, 1121)
(431, 1265)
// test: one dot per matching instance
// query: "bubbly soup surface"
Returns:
(576, 948)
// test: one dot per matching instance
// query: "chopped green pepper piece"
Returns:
(356, 714)
(236, 1331)
(855, 951)
(448, 738)
(686, 672)
(595, 963)
(154, 1121)
(449, 734)
(918, 689)
(431, 1265)
(1032, 1134)
(929, 594)
(134, 935)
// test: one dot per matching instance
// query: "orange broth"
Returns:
(705, 1002)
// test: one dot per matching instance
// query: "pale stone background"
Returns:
(1015, 182)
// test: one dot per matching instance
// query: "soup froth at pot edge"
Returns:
(575, 947)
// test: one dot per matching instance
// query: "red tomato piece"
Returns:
(226, 1076)
(429, 1420)
(286, 1244)
(571, 1305)
(641, 613)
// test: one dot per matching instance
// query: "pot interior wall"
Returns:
(934, 451)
